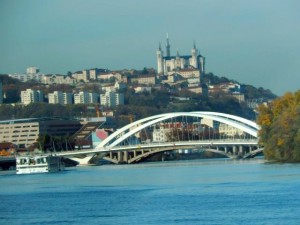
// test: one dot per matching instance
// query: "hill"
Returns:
(163, 98)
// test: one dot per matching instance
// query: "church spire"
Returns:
(194, 61)
(159, 46)
(194, 45)
(168, 46)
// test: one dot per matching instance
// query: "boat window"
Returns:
(23, 161)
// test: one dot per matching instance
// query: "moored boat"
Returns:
(38, 164)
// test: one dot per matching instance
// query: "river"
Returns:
(214, 192)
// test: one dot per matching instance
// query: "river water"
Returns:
(211, 192)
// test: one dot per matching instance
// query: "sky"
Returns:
(254, 42)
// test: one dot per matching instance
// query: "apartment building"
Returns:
(84, 97)
(59, 97)
(31, 96)
(111, 99)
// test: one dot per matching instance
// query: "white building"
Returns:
(58, 97)
(120, 86)
(93, 74)
(111, 99)
(142, 89)
(160, 134)
(229, 130)
(83, 75)
(24, 77)
(32, 70)
(210, 123)
(114, 87)
(31, 96)
(57, 79)
(107, 76)
(168, 63)
(84, 97)
(32, 73)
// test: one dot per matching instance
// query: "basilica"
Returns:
(169, 64)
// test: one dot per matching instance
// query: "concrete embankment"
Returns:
(7, 163)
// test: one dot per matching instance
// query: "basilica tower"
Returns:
(159, 57)
(194, 61)
(168, 47)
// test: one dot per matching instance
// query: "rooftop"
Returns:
(28, 120)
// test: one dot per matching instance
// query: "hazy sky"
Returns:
(255, 42)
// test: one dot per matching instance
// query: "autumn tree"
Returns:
(280, 128)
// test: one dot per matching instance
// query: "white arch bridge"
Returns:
(220, 133)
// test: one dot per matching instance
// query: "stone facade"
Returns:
(168, 63)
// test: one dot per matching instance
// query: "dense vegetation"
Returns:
(161, 101)
(280, 128)
(250, 91)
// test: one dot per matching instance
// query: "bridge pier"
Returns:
(125, 156)
(241, 150)
(119, 156)
(234, 151)
(250, 149)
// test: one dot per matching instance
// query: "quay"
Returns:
(7, 163)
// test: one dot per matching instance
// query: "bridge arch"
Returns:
(115, 146)
(247, 126)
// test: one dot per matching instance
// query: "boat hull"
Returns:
(39, 164)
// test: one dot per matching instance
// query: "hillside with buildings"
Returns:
(137, 92)
(180, 83)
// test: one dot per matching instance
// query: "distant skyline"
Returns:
(253, 42)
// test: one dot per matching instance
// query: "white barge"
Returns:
(38, 164)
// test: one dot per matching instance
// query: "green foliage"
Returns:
(37, 110)
(210, 78)
(256, 93)
(250, 91)
(157, 99)
(280, 128)
(5, 80)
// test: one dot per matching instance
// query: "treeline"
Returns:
(280, 128)
(161, 101)
(250, 91)
(37, 110)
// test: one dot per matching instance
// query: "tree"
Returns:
(280, 128)
(145, 71)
